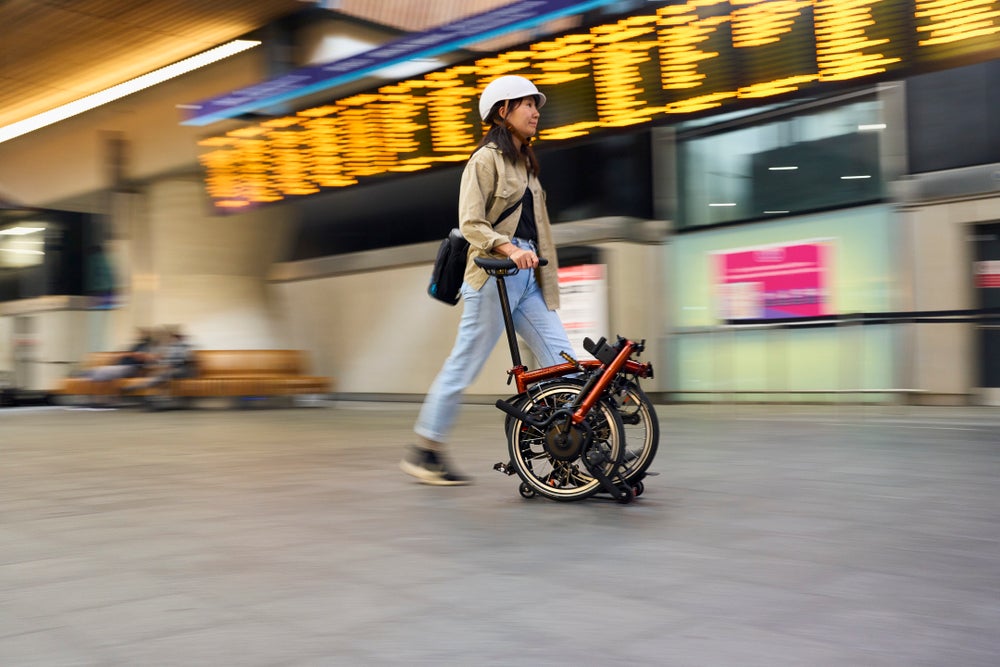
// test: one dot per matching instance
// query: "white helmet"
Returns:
(509, 87)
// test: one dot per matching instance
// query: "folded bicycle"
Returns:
(578, 428)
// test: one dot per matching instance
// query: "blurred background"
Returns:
(791, 202)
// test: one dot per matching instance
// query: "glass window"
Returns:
(810, 161)
(951, 117)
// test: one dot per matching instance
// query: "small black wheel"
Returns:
(628, 494)
(526, 491)
(638, 488)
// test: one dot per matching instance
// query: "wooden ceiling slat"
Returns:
(55, 51)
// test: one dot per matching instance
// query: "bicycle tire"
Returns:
(642, 429)
(557, 472)
(639, 420)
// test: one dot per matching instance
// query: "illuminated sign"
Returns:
(517, 15)
(773, 282)
(681, 58)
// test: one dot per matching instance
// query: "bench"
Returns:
(219, 374)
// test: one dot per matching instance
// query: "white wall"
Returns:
(378, 332)
(42, 338)
(207, 271)
(6, 345)
(944, 355)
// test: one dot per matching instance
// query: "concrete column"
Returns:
(942, 353)
(204, 271)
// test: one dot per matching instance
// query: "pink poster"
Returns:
(774, 282)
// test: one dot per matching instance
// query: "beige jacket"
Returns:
(490, 185)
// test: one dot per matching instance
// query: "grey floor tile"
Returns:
(774, 535)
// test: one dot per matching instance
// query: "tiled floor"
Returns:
(773, 536)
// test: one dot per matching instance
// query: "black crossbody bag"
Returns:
(449, 267)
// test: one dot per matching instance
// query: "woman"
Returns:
(501, 172)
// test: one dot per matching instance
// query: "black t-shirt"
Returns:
(526, 228)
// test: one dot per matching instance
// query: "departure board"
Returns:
(671, 61)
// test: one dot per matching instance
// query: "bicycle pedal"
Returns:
(505, 468)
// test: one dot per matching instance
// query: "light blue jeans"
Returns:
(478, 332)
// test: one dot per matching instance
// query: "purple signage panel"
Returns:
(316, 78)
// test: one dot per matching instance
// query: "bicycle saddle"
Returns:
(501, 267)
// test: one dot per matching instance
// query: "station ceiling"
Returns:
(53, 52)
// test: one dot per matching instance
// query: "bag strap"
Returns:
(500, 168)
(510, 209)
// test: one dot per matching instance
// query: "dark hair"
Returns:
(499, 133)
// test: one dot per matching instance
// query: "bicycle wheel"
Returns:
(552, 460)
(639, 420)
(642, 428)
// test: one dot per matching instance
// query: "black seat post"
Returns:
(508, 321)
(498, 268)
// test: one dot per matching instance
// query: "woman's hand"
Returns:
(523, 259)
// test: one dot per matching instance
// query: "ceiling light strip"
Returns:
(121, 90)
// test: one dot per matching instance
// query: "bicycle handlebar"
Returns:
(490, 264)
